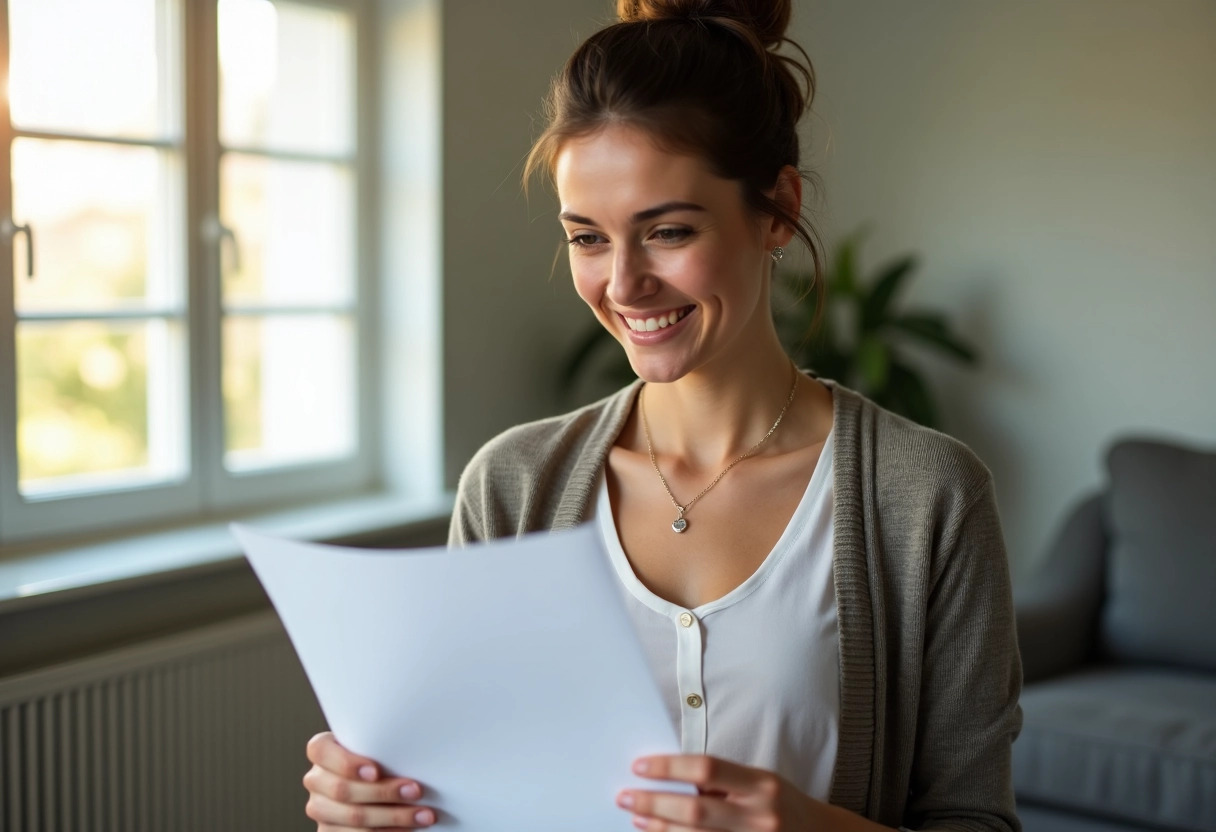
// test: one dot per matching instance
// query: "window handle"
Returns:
(217, 232)
(10, 230)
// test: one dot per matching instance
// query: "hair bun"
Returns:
(767, 19)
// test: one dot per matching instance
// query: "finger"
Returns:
(390, 790)
(680, 811)
(325, 827)
(656, 825)
(323, 750)
(708, 774)
(367, 816)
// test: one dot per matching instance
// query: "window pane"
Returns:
(289, 389)
(294, 223)
(99, 405)
(99, 68)
(105, 225)
(286, 76)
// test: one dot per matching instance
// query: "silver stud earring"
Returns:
(777, 253)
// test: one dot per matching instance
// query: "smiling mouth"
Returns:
(658, 321)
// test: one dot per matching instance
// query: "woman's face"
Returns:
(665, 253)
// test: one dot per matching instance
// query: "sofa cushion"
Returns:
(1047, 819)
(1161, 570)
(1131, 744)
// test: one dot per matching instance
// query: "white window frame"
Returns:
(208, 490)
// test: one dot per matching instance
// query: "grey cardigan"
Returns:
(929, 667)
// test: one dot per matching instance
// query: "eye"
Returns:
(672, 235)
(583, 240)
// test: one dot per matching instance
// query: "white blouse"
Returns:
(752, 677)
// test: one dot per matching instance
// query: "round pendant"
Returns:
(679, 525)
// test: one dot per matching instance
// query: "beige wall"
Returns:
(507, 326)
(1053, 163)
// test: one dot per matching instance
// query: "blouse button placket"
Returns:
(690, 678)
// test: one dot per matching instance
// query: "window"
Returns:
(183, 306)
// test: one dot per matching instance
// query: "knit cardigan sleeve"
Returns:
(468, 516)
(971, 680)
(930, 672)
(540, 475)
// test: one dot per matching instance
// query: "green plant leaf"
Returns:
(932, 329)
(873, 363)
(874, 306)
(843, 280)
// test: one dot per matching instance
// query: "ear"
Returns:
(787, 192)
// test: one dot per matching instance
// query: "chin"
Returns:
(658, 372)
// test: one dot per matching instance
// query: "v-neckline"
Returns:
(794, 529)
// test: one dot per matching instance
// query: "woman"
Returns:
(820, 586)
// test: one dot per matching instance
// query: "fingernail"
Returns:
(368, 773)
(625, 800)
(641, 766)
(426, 817)
(639, 822)
(410, 791)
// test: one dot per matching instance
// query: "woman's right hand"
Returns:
(346, 792)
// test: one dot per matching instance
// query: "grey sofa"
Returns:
(1117, 629)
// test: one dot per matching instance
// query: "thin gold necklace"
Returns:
(680, 524)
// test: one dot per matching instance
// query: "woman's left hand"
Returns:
(732, 798)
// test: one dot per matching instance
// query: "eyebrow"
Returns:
(640, 216)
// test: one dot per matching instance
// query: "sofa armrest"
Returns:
(1057, 605)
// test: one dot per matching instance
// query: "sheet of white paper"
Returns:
(505, 677)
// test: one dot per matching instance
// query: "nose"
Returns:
(631, 278)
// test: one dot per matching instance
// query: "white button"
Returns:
(686, 619)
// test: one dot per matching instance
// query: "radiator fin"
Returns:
(194, 733)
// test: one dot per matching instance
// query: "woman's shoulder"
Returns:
(904, 456)
(538, 475)
(527, 446)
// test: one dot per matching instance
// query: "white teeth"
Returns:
(652, 324)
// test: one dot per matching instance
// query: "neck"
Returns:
(712, 415)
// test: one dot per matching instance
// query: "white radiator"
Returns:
(203, 731)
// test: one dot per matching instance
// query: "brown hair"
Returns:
(701, 77)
